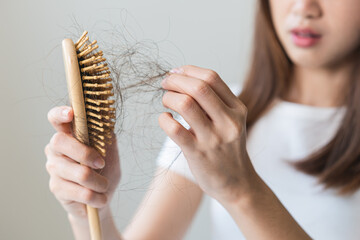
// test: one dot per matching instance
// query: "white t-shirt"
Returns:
(287, 132)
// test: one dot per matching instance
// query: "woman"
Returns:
(280, 161)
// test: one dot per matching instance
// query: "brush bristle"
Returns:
(98, 90)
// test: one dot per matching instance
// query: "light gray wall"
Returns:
(211, 34)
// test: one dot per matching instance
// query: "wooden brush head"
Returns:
(90, 90)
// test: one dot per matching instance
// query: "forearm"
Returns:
(109, 231)
(260, 215)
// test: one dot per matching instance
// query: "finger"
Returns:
(200, 91)
(69, 191)
(211, 78)
(70, 170)
(60, 118)
(180, 135)
(65, 144)
(190, 110)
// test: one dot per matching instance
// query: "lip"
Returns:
(305, 37)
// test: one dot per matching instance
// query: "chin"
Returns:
(315, 59)
(308, 60)
(312, 57)
(320, 55)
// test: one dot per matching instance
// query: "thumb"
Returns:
(60, 118)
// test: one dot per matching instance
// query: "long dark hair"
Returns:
(337, 164)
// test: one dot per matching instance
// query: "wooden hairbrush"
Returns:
(90, 89)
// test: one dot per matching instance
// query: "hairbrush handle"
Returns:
(80, 127)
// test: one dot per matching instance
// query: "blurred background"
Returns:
(210, 34)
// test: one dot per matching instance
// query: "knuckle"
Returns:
(53, 115)
(85, 154)
(106, 185)
(163, 120)
(103, 185)
(211, 76)
(186, 104)
(84, 174)
(215, 141)
(52, 186)
(165, 99)
(103, 201)
(50, 115)
(202, 88)
(88, 195)
(50, 166)
(170, 78)
(241, 107)
(175, 130)
(236, 130)
(57, 139)
(47, 149)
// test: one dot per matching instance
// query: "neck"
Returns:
(321, 87)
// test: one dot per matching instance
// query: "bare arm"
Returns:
(167, 209)
(165, 213)
(260, 215)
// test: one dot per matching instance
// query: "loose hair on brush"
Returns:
(135, 67)
(337, 164)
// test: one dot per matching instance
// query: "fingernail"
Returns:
(177, 70)
(99, 163)
(65, 112)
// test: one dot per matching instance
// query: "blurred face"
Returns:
(317, 33)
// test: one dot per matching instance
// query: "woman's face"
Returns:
(317, 33)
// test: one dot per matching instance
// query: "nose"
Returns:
(307, 8)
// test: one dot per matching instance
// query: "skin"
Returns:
(75, 185)
(215, 145)
(321, 70)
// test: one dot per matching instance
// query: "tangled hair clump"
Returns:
(136, 66)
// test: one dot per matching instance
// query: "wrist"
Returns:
(246, 196)
(260, 215)
(77, 220)
(104, 213)
(80, 225)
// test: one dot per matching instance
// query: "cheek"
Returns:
(346, 36)
(280, 12)
(343, 12)
(347, 45)
(343, 29)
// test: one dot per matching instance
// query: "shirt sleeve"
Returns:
(172, 158)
